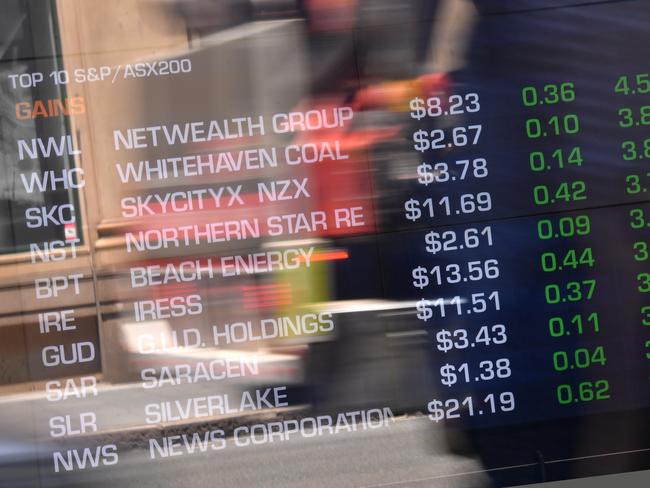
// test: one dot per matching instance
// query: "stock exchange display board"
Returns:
(409, 240)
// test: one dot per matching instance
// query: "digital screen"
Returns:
(354, 243)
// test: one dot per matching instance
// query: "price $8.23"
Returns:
(440, 105)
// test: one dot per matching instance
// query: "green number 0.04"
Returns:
(580, 358)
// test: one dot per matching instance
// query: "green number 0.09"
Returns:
(579, 225)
